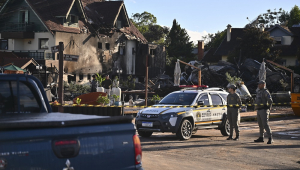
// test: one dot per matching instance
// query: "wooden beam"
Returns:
(189, 65)
(280, 66)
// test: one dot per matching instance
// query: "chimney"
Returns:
(228, 32)
(200, 50)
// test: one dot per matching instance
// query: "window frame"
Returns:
(40, 40)
(1, 41)
(222, 102)
(29, 84)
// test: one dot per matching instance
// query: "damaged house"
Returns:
(99, 32)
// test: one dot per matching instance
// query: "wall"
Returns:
(290, 60)
(22, 44)
(224, 58)
(278, 33)
(14, 17)
(129, 58)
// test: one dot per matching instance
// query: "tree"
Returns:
(294, 16)
(213, 40)
(143, 20)
(254, 44)
(179, 46)
(146, 24)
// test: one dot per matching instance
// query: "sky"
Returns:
(201, 17)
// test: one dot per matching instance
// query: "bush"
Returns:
(103, 100)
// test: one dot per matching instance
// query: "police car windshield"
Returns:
(179, 98)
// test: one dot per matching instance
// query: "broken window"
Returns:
(89, 77)
(43, 43)
(107, 46)
(80, 76)
(152, 51)
(99, 45)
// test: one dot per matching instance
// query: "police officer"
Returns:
(234, 103)
(263, 103)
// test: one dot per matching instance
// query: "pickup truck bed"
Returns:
(47, 140)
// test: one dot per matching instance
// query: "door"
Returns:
(201, 114)
(219, 108)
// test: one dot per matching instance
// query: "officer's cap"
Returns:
(261, 82)
(232, 87)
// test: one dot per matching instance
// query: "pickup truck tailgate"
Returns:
(48, 141)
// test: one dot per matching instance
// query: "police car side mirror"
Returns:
(200, 103)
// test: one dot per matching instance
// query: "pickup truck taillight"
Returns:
(137, 149)
(67, 148)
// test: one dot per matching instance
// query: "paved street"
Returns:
(208, 149)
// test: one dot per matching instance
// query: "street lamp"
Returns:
(119, 71)
(39, 67)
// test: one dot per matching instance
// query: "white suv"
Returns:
(184, 112)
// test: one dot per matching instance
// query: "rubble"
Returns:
(214, 75)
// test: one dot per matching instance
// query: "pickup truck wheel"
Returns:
(145, 134)
(185, 130)
(225, 130)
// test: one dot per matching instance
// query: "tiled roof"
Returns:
(9, 57)
(133, 31)
(225, 47)
(48, 10)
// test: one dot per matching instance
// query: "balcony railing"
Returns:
(36, 55)
(17, 27)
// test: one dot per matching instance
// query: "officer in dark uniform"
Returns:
(233, 103)
(263, 105)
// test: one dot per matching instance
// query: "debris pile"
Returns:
(214, 75)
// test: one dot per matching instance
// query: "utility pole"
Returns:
(146, 82)
(61, 72)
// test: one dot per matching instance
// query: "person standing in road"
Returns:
(94, 84)
(263, 105)
(107, 85)
(234, 103)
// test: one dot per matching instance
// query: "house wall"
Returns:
(15, 16)
(129, 57)
(224, 58)
(24, 45)
(290, 60)
(92, 59)
(278, 33)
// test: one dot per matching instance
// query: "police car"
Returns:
(184, 112)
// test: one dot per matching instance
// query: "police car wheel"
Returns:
(225, 130)
(145, 134)
(185, 130)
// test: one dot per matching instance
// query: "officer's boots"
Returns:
(260, 139)
(270, 141)
(229, 138)
(237, 137)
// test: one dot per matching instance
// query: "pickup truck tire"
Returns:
(145, 134)
(225, 130)
(185, 130)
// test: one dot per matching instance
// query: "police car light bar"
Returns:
(193, 86)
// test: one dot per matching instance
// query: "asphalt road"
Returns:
(208, 149)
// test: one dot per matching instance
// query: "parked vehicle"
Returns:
(32, 137)
(179, 113)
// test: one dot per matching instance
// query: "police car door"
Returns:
(218, 110)
(201, 113)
